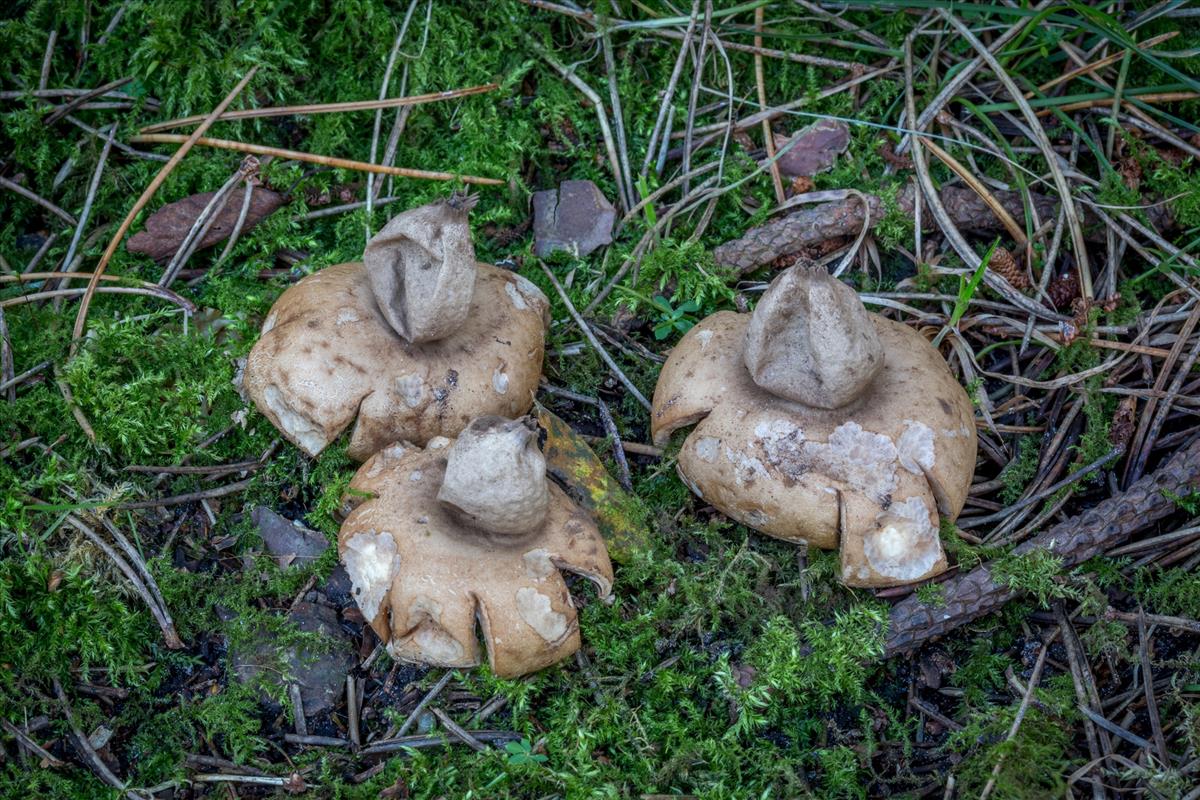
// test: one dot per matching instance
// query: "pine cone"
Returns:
(1004, 264)
(1063, 289)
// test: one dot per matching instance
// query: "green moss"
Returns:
(1036, 572)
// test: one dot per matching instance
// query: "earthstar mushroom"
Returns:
(410, 344)
(819, 422)
(467, 531)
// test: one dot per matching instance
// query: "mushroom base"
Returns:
(870, 477)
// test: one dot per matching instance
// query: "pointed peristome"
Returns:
(422, 269)
(810, 340)
(496, 477)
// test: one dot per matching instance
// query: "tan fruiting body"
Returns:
(869, 475)
(422, 269)
(496, 476)
(810, 340)
(424, 575)
(332, 353)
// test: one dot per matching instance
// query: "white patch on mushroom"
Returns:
(500, 379)
(372, 564)
(905, 546)
(411, 389)
(538, 563)
(302, 430)
(437, 443)
(346, 315)
(435, 642)
(704, 338)
(529, 292)
(863, 460)
(707, 448)
(437, 645)
(517, 300)
(745, 468)
(534, 607)
(915, 448)
(416, 475)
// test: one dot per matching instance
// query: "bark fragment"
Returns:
(1075, 540)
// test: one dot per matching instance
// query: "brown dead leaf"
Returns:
(815, 149)
(167, 227)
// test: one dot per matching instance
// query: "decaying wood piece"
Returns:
(1075, 540)
(813, 224)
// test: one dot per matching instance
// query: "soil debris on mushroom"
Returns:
(819, 422)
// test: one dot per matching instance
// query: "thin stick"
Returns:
(614, 94)
(1087, 69)
(68, 107)
(1043, 142)
(83, 745)
(327, 108)
(44, 76)
(591, 337)
(312, 158)
(457, 731)
(761, 85)
(162, 294)
(41, 201)
(76, 411)
(247, 196)
(668, 95)
(1034, 678)
(180, 499)
(87, 203)
(160, 613)
(1160, 742)
(200, 226)
(29, 744)
(147, 193)
(403, 742)
(383, 90)
(352, 721)
(416, 712)
(299, 721)
(610, 425)
(17, 380)
(8, 375)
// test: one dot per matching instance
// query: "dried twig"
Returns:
(591, 337)
(1110, 522)
(140, 203)
(327, 108)
(312, 158)
(37, 198)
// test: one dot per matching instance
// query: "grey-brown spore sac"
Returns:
(496, 476)
(422, 269)
(810, 340)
